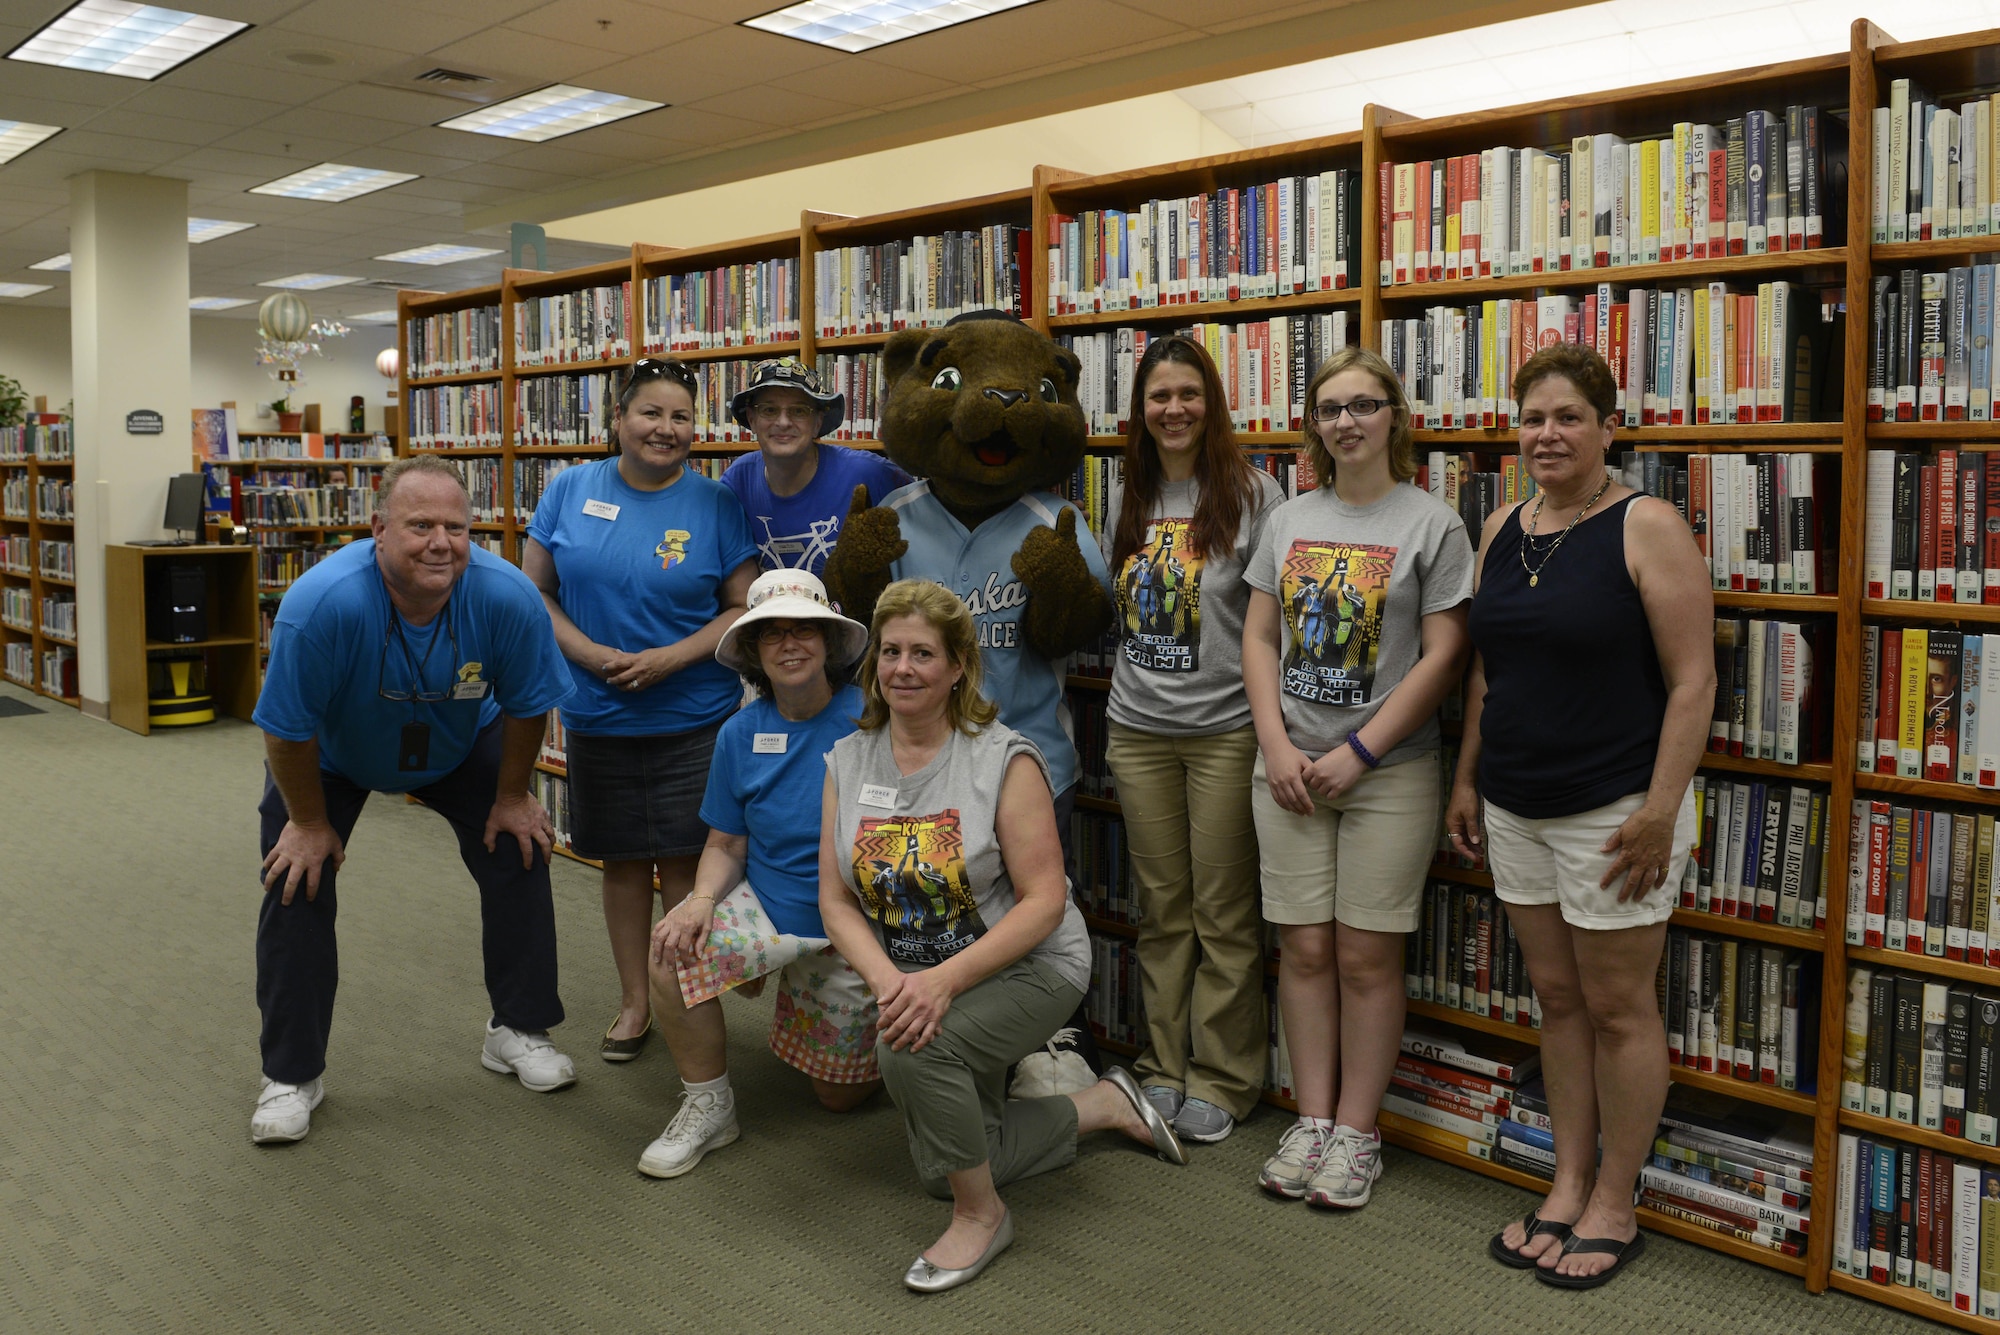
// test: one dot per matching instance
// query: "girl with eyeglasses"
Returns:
(1179, 532)
(644, 564)
(1354, 635)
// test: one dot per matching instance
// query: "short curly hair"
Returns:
(1579, 365)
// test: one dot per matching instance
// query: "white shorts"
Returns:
(1561, 860)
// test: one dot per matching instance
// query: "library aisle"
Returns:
(133, 1200)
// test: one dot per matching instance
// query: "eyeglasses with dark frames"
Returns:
(1328, 413)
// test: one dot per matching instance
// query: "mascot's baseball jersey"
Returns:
(977, 566)
(640, 569)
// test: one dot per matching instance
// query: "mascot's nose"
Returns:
(1008, 397)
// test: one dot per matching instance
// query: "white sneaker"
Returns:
(284, 1112)
(529, 1056)
(705, 1122)
(1348, 1171)
(1057, 1069)
(1291, 1170)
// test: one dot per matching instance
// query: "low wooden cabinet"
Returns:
(230, 649)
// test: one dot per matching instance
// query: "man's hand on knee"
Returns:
(299, 854)
(522, 816)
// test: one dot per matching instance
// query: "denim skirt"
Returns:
(634, 798)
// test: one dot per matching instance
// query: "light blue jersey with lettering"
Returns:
(977, 566)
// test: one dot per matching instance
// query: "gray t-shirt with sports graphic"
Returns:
(1353, 584)
(1179, 665)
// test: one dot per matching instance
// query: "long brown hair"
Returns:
(1221, 473)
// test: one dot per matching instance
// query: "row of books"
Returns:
(279, 565)
(1758, 183)
(1116, 1006)
(1456, 1089)
(216, 438)
(858, 376)
(531, 479)
(55, 499)
(1937, 171)
(15, 549)
(555, 741)
(1264, 365)
(1922, 1051)
(454, 417)
(724, 307)
(44, 437)
(482, 482)
(14, 493)
(1918, 1219)
(17, 607)
(1740, 1009)
(1465, 955)
(57, 559)
(20, 663)
(290, 506)
(59, 671)
(1103, 887)
(1769, 703)
(920, 280)
(1930, 350)
(59, 615)
(454, 342)
(1767, 523)
(1760, 852)
(1920, 880)
(1296, 234)
(1932, 526)
(566, 409)
(552, 791)
(592, 324)
(1923, 692)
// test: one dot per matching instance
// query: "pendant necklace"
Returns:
(1528, 532)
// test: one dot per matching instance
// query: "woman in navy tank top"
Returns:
(1586, 712)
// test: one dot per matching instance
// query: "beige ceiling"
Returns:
(335, 80)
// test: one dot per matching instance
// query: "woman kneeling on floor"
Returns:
(754, 909)
(941, 879)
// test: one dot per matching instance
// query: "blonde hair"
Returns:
(1402, 451)
(965, 709)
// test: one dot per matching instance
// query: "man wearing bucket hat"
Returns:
(795, 489)
(754, 909)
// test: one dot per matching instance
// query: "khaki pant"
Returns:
(1193, 852)
(953, 1094)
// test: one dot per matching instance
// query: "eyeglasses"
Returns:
(1357, 409)
(678, 372)
(805, 632)
(778, 412)
(416, 665)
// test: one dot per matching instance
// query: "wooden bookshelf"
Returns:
(30, 524)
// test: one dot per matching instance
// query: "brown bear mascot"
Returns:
(984, 411)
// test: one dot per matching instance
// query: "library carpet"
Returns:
(435, 1196)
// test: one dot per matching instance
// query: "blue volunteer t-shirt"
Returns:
(797, 532)
(641, 569)
(773, 796)
(333, 651)
(977, 566)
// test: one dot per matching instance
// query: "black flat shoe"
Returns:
(1626, 1252)
(624, 1049)
(1515, 1257)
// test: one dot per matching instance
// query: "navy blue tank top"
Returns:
(1575, 698)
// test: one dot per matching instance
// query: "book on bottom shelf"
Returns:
(1920, 1219)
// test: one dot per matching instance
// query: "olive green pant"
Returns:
(954, 1093)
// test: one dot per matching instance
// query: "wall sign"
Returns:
(144, 422)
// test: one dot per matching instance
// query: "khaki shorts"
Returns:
(1358, 860)
(1560, 861)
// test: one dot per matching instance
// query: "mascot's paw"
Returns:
(871, 541)
(1067, 609)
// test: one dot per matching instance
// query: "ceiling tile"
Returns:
(405, 106)
(558, 156)
(1209, 16)
(511, 178)
(525, 55)
(631, 27)
(275, 83)
(411, 29)
(776, 104)
(196, 105)
(718, 11)
(893, 82)
(167, 129)
(719, 61)
(109, 148)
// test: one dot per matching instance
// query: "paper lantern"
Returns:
(284, 317)
(385, 364)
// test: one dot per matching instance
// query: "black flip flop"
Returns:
(1626, 1252)
(1537, 1226)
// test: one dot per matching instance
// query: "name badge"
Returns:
(600, 509)
(470, 690)
(875, 795)
(769, 743)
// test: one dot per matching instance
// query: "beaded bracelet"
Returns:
(1367, 757)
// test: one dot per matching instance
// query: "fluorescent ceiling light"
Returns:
(372, 317)
(208, 229)
(55, 263)
(549, 114)
(22, 289)
(116, 37)
(330, 182)
(309, 282)
(17, 137)
(862, 25)
(216, 303)
(438, 254)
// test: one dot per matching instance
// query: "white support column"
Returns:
(128, 351)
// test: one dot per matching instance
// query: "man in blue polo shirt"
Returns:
(406, 663)
(796, 489)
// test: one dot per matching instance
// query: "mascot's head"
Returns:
(985, 408)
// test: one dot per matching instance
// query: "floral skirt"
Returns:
(825, 1019)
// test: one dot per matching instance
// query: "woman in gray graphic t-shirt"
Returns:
(941, 882)
(1355, 634)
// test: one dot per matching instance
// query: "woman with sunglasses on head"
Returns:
(1178, 535)
(1355, 634)
(644, 564)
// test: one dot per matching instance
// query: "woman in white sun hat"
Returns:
(754, 909)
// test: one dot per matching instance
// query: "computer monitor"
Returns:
(185, 493)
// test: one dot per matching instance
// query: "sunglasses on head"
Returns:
(669, 370)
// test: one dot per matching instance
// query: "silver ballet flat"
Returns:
(923, 1277)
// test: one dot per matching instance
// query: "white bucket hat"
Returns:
(799, 596)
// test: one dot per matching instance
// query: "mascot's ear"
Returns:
(900, 353)
(1072, 368)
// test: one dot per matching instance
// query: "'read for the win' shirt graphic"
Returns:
(1159, 600)
(1332, 594)
(911, 871)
